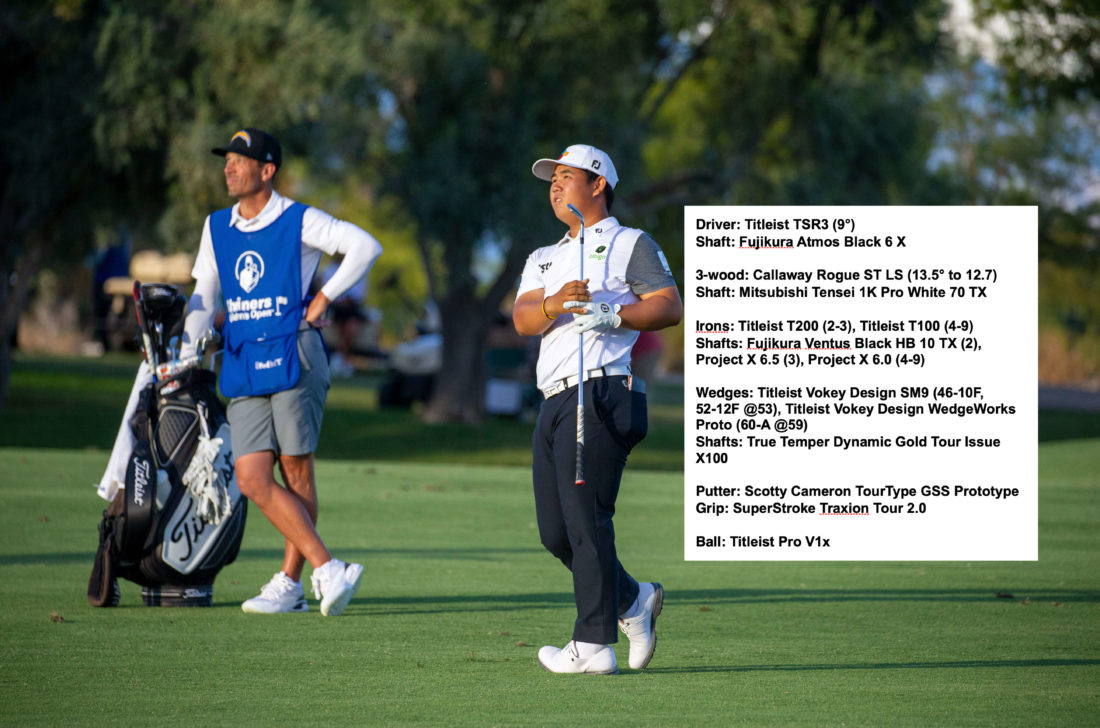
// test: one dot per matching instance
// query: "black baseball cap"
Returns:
(256, 144)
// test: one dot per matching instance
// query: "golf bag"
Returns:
(179, 517)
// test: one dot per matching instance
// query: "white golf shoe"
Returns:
(568, 660)
(335, 583)
(641, 629)
(281, 594)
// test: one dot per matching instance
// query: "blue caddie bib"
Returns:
(261, 279)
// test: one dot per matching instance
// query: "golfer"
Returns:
(627, 287)
(261, 254)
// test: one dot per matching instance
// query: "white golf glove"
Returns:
(600, 316)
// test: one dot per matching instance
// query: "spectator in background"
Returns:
(111, 262)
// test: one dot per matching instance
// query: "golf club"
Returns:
(139, 309)
(202, 343)
(159, 343)
(580, 368)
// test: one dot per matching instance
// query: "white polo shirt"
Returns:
(621, 264)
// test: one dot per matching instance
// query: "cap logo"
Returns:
(243, 135)
(564, 154)
(249, 270)
(595, 164)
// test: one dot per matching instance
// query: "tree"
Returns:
(49, 183)
(111, 110)
(441, 108)
(1030, 137)
(1048, 51)
(705, 102)
(479, 91)
(178, 78)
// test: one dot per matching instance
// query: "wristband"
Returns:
(548, 316)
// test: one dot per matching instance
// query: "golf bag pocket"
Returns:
(254, 368)
(103, 588)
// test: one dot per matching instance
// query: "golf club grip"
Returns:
(580, 444)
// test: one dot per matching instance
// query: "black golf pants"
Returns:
(575, 521)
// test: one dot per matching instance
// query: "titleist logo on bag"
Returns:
(141, 479)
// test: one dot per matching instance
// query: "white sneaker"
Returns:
(568, 659)
(642, 629)
(335, 583)
(281, 594)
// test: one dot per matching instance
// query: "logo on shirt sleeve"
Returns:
(664, 262)
(249, 270)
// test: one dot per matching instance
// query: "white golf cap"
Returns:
(581, 156)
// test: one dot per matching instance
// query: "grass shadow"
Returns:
(707, 597)
(1059, 425)
(923, 665)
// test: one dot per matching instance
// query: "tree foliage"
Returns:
(1032, 137)
(795, 103)
(1049, 50)
(424, 116)
(49, 182)
(479, 91)
(178, 78)
(705, 102)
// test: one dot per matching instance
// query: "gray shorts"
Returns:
(287, 422)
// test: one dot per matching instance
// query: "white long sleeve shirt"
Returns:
(321, 233)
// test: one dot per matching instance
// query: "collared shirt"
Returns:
(321, 233)
(621, 264)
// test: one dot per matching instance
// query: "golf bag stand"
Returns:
(180, 517)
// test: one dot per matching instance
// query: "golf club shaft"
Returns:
(579, 479)
(162, 353)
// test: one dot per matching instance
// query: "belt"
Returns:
(611, 370)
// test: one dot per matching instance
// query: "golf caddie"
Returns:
(261, 254)
(588, 295)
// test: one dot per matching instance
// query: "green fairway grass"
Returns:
(459, 595)
(64, 402)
